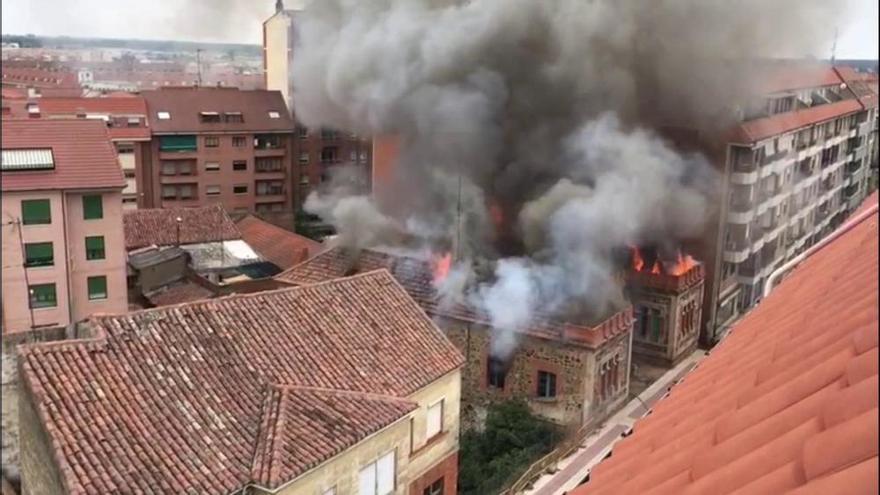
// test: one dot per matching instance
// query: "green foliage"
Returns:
(511, 441)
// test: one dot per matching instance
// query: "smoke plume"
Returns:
(552, 113)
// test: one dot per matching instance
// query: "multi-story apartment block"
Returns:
(63, 244)
(318, 150)
(126, 120)
(221, 145)
(345, 387)
(792, 171)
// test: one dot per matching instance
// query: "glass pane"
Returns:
(39, 254)
(95, 248)
(97, 287)
(367, 480)
(435, 419)
(385, 474)
(42, 296)
(36, 211)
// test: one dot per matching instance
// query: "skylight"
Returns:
(27, 159)
(163, 115)
(274, 115)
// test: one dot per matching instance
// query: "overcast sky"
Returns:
(239, 21)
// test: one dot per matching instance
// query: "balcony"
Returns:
(270, 198)
(263, 152)
(744, 178)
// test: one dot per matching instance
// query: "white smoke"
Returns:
(551, 109)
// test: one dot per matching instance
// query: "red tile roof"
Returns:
(281, 247)
(302, 427)
(185, 103)
(83, 154)
(787, 76)
(39, 77)
(416, 276)
(158, 227)
(179, 292)
(787, 403)
(180, 399)
(112, 106)
(763, 128)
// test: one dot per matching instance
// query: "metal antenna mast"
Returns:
(199, 65)
(834, 46)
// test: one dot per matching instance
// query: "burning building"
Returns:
(667, 304)
(570, 372)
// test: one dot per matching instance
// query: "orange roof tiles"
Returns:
(787, 403)
(281, 247)
(112, 106)
(83, 154)
(763, 128)
(211, 396)
(158, 226)
(785, 76)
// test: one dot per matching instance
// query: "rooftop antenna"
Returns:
(834, 47)
(199, 66)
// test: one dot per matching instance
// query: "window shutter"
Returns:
(435, 419)
(97, 287)
(39, 254)
(367, 481)
(93, 207)
(36, 211)
(385, 474)
(177, 143)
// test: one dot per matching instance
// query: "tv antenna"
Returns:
(199, 66)
(834, 46)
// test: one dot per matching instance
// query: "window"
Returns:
(95, 248)
(239, 141)
(363, 156)
(212, 166)
(209, 117)
(330, 491)
(234, 118)
(38, 254)
(36, 212)
(212, 141)
(303, 180)
(163, 115)
(352, 155)
(185, 168)
(169, 168)
(133, 122)
(546, 384)
(169, 192)
(270, 188)
(269, 164)
(496, 372)
(329, 134)
(378, 478)
(177, 143)
(302, 132)
(274, 115)
(304, 158)
(42, 296)
(435, 419)
(329, 154)
(186, 191)
(97, 287)
(650, 325)
(212, 190)
(239, 165)
(124, 148)
(436, 488)
(267, 141)
(239, 189)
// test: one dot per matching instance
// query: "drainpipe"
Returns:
(69, 260)
(771, 280)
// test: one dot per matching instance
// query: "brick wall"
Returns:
(446, 469)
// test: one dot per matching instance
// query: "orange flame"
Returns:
(442, 265)
(638, 262)
(682, 265)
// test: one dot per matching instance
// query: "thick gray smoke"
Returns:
(549, 111)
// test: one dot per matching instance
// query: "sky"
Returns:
(240, 21)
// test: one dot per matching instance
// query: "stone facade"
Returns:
(589, 380)
(667, 310)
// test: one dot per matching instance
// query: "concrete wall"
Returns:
(276, 54)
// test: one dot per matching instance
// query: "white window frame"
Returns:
(212, 166)
(369, 476)
(432, 431)
(208, 190)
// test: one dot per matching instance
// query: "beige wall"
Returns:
(277, 57)
(342, 471)
(16, 311)
(70, 269)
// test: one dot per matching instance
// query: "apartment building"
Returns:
(319, 151)
(126, 120)
(63, 244)
(792, 171)
(254, 393)
(221, 146)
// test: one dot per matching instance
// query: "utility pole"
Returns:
(199, 65)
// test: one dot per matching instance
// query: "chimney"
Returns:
(279, 6)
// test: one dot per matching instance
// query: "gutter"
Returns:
(777, 274)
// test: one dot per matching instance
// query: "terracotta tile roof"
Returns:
(39, 77)
(279, 246)
(416, 275)
(787, 403)
(83, 154)
(172, 400)
(763, 128)
(182, 291)
(863, 86)
(783, 76)
(158, 227)
(302, 427)
(184, 105)
(116, 107)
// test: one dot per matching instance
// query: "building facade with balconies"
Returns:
(221, 146)
(793, 172)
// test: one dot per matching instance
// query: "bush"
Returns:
(511, 441)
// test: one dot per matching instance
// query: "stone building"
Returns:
(667, 306)
(568, 373)
(252, 394)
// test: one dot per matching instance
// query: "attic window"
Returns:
(234, 118)
(209, 117)
(27, 159)
(274, 115)
(163, 115)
